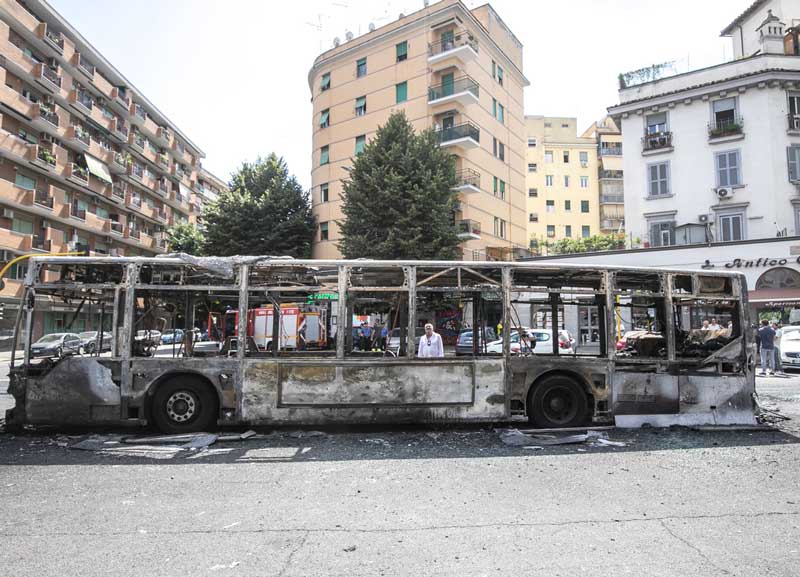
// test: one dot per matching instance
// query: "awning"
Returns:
(774, 297)
(97, 168)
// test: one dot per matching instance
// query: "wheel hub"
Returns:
(181, 406)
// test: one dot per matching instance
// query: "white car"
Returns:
(790, 347)
(544, 343)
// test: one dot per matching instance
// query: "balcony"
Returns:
(463, 90)
(75, 212)
(610, 150)
(48, 78)
(465, 135)
(136, 140)
(52, 38)
(79, 137)
(138, 114)
(81, 63)
(612, 198)
(121, 98)
(161, 214)
(134, 233)
(164, 136)
(469, 229)
(163, 161)
(39, 242)
(45, 117)
(611, 175)
(468, 180)
(727, 126)
(82, 101)
(134, 201)
(77, 173)
(117, 227)
(794, 123)
(118, 191)
(611, 223)
(121, 130)
(657, 142)
(120, 163)
(461, 45)
(43, 157)
(136, 171)
(43, 199)
(18, 241)
(163, 187)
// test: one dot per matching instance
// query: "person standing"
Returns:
(705, 326)
(500, 329)
(366, 336)
(777, 326)
(714, 326)
(767, 337)
(430, 345)
(384, 337)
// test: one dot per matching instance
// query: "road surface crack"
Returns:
(693, 548)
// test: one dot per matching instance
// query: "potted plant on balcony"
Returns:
(47, 156)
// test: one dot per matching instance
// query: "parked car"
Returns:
(56, 345)
(790, 348)
(394, 338)
(542, 345)
(465, 339)
(172, 337)
(89, 341)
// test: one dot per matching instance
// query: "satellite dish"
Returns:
(348, 36)
(371, 27)
(336, 42)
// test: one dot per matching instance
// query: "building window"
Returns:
(502, 190)
(499, 75)
(531, 167)
(323, 192)
(658, 179)
(361, 143)
(793, 156)
(565, 125)
(501, 151)
(586, 231)
(567, 206)
(566, 157)
(531, 143)
(794, 109)
(566, 181)
(548, 180)
(499, 227)
(494, 107)
(25, 182)
(494, 147)
(728, 173)
(401, 51)
(501, 114)
(401, 92)
(656, 123)
(551, 230)
(662, 233)
(494, 70)
(584, 182)
(323, 155)
(361, 68)
(584, 206)
(548, 157)
(568, 231)
(533, 217)
(533, 193)
(584, 158)
(730, 227)
(724, 112)
(325, 83)
(550, 205)
(21, 225)
(325, 118)
(18, 270)
(548, 124)
(361, 106)
(323, 231)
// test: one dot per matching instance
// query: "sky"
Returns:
(233, 74)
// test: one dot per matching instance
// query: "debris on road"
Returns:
(306, 434)
(517, 438)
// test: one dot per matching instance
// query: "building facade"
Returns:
(87, 163)
(713, 155)
(447, 67)
(609, 174)
(562, 181)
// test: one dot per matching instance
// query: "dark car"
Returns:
(57, 345)
(89, 341)
(465, 338)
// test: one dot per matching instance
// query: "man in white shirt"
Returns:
(714, 326)
(430, 345)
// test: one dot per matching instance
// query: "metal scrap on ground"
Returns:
(517, 438)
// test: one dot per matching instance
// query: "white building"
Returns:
(714, 154)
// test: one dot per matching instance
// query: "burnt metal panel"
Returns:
(644, 393)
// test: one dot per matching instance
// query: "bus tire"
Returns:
(557, 401)
(184, 405)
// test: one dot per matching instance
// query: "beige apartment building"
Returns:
(445, 66)
(87, 162)
(608, 137)
(561, 178)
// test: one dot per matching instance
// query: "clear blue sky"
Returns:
(232, 74)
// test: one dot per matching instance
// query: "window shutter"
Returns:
(655, 236)
(361, 101)
(794, 165)
(733, 168)
(722, 169)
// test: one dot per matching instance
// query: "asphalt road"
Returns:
(414, 502)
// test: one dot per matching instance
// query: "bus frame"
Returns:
(245, 386)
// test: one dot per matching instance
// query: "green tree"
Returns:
(398, 201)
(596, 243)
(185, 237)
(265, 212)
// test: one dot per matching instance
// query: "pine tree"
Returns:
(265, 212)
(398, 200)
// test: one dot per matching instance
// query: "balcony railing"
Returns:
(611, 150)
(78, 172)
(84, 99)
(120, 159)
(611, 174)
(56, 39)
(134, 233)
(121, 95)
(75, 212)
(81, 135)
(118, 190)
(725, 127)
(459, 39)
(49, 115)
(161, 215)
(612, 198)
(45, 156)
(459, 85)
(137, 171)
(43, 198)
(794, 122)
(135, 201)
(85, 65)
(656, 140)
(117, 227)
(468, 177)
(139, 111)
(459, 131)
(163, 160)
(611, 223)
(41, 243)
(469, 228)
(138, 141)
(122, 127)
(163, 187)
(51, 75)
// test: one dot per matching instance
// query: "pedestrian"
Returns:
(767, 337)
(714, 326)
(705, 326)
(777, 326)
(430, 345)
(376, 344)
(366, 336)
(384, 337)
(500, 329)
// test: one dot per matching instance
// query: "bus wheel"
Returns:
(557, 401)
(184, 405)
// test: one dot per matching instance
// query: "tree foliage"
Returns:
(596, 243)
(265, 212)
(185, 237)
(398, 201)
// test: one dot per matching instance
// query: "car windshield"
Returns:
(88, 335)
(54, 338)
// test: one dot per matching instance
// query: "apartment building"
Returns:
(608, 137)
(713, 155)
(87, 162)
(562, 180)
(448, 67)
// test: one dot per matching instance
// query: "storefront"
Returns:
(771, 266)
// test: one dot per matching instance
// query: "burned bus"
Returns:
(652, 363)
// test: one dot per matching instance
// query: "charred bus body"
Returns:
(651, 366)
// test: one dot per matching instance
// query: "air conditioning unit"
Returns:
(46, 137)
(703, 218)
(45, 224)
(8, 213)
(724, 192)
